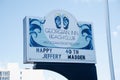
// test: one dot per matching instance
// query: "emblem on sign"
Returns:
(60, 29)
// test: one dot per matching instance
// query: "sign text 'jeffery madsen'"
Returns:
(58, 38)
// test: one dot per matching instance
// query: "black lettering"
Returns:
(43, 50)
(76, 57)
(51, 56)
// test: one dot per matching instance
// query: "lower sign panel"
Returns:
(44, 54)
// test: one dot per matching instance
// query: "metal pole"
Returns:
(109, 42)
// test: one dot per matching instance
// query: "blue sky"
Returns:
(12, 13)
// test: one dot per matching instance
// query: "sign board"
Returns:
(58, 37)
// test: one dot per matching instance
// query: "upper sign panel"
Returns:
(60, 29)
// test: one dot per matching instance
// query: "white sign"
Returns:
(58, 38)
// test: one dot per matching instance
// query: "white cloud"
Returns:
(83, 1)
(2, 65)
(118, 28)
(117, 31)
(91, 1)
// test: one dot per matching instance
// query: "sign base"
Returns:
(71, 71)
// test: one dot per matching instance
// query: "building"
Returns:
(13, 72)
(4, 74)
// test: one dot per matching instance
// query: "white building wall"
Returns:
(41, 75)
(31, 75)
(14, 71)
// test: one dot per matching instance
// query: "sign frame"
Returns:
(56, 54)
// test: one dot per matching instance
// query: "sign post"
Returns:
(58, 42)
(112, 73)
